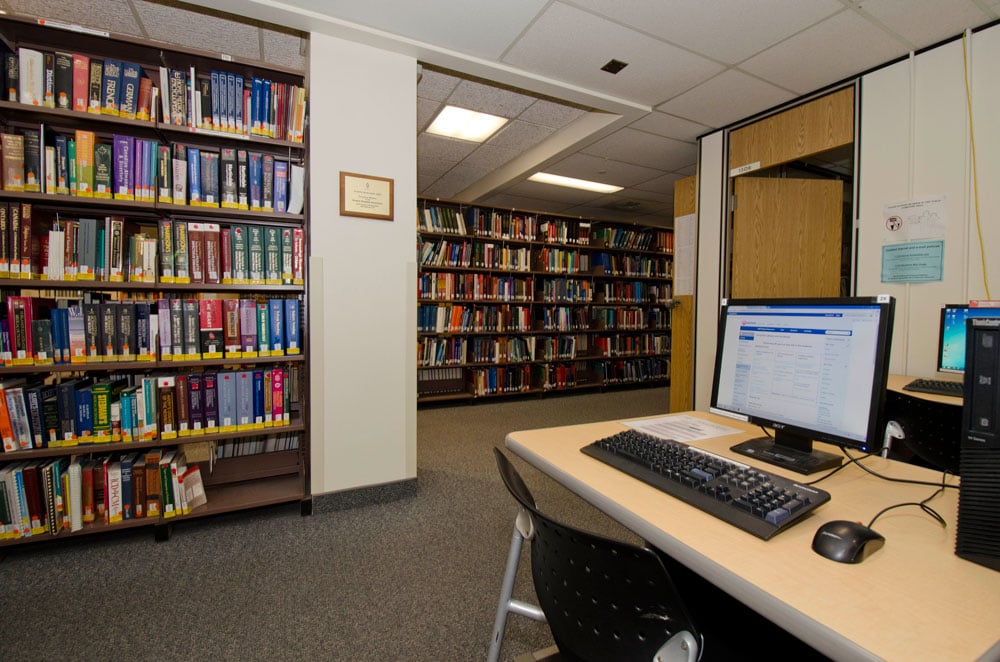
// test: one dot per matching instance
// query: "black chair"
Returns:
(603, 599)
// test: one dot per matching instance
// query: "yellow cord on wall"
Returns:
(975, 175)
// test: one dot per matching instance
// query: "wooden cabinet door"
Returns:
(787, 237)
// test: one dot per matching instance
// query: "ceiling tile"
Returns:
(531, 189)
(524, 203)
(202, 31)
(622, 216)
(436, 85)
(112, 15)
(284, 49)
(721, 29)
(479, 28)
(487, 99)
(728, 97)
(924, 22)
(488, 158)
(670, 126)
(444, 149)
(837, 48)
(572, 45)
(520, 135)
(663, 184)
(433, 167)
(549, 113)
(645, 149)
(595, 168)
(426, 111)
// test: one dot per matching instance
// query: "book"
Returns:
(196, 404)
(255, 254)
(124, 164)
(179, 175)
(255, 181)
(280, 186)
(194, 176)
(85, 163)
(240, 254)
(210, 331)
(196, 252)
(296, 188)
(263, 328)
(12, 146)
(267, 183)
(272, 255)
(105, 167)
(292, 326)
(144, 105)
(49, 80)
(131, 74)
(31, 76)
(194, 488)
(261, 396)
(167, 496)
(95, 86)
(276, 330)
(226, 255)
(228, 188)
(242, 179)
(127, 463)
(298, 256)
(139, 486)
(165, 331)
(227, 401)
(111, 87)
(165, 387)
(114, 491)
(164, 175)
(210, 398)
(32, 161)
(79, 82)
(182, 271)
(248, 327)
(231, 327)
(209, 171)
(190, 335)
(63, 80)
(176, 88)
(244, 400)
(153, 498)
(12, 69)
(213, 259)
(76, 508)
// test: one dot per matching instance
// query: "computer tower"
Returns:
(978, 527)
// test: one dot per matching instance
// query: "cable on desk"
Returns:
(920, 504)
(854, 460)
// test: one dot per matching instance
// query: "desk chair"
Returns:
(603, 599)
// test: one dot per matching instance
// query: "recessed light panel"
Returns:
(464, 124)
(559, 180)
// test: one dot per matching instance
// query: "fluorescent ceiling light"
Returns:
(559, 180)
(455, 122)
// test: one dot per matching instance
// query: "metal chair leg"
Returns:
(506, 603)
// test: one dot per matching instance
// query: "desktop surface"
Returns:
(912, 599)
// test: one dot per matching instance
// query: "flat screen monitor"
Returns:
(951, 341)
(810, 369)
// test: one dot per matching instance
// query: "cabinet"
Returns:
(519, 302)
(152, 255)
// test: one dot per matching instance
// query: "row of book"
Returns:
(479, 222)
(633, 292)
(39, 160)
(480, 287)
(440, 352)
(474, 254)
(219, 100)
(42, 331)
(470, 318)
(632, 265)
(272, 443)
(561, 261)
(630, 318)
(554, 376)
(440, 381)
(148, 407)
(630, 239)
(632, 371)
(65, 494)
(116, 249)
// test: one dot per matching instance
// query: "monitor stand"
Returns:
(790, 451)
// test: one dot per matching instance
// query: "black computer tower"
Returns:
(978, 528)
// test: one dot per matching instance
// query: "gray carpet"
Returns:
(416, 578)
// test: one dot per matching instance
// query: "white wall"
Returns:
(915, 143)
(362, 297)
(711, 215)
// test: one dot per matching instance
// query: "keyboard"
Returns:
(937, 387)
(756, 501)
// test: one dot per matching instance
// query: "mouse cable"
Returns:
(855, 460)
(919, 504)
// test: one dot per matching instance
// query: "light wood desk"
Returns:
(912, 600)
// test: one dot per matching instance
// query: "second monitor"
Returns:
(810, 369)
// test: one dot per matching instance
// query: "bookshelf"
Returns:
(152, 265)
(512, 302)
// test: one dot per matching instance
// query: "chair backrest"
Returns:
(604, 599)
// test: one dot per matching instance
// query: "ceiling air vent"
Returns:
(614, 66)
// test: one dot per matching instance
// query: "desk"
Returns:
(912, 600)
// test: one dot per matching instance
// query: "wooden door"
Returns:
(682, 315)
(787, 237)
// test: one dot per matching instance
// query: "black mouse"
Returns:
(846, 542)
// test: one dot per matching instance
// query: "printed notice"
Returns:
(366, 196)
(681, 427)
(913, 262)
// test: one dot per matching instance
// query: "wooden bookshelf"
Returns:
(248, 457)
(513, 302)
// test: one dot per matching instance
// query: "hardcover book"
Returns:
(244, 400)
(287, 273)
(196, 404)
(85, 163)
(272, 255)
(182, 272)
(263, 329)
(194, 176)
(276, 332)
(95, 85)
(167, 410)
(267, 182)
(231, 327)
(196, 252)
(164, 175)
(240, 254)
(213, 261)
(180, 175)
(211, 401)
(242, 179)
(227, 401)
(32, 161)
(104, 169)
(191, 336)
(248, 327)
(281, 186)
(209, 179)
(131, 74)
(256, 175)
(125, 315)
(111, 87)
(64, 80)
(211, 321)
(292, 323)
(255, 254)
(165, 234)
(12, 146)
(81, 82)
(124, 170)
(31, 76)
(227, 179)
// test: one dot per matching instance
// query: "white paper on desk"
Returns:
(681, 427)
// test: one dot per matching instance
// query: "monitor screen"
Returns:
(811, 369)
(951, 341)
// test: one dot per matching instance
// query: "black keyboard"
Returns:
(937, 387)
(756, 501)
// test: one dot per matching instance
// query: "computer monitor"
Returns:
(810, 369)
(951, 341)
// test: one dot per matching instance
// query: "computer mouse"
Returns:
(846, 542)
